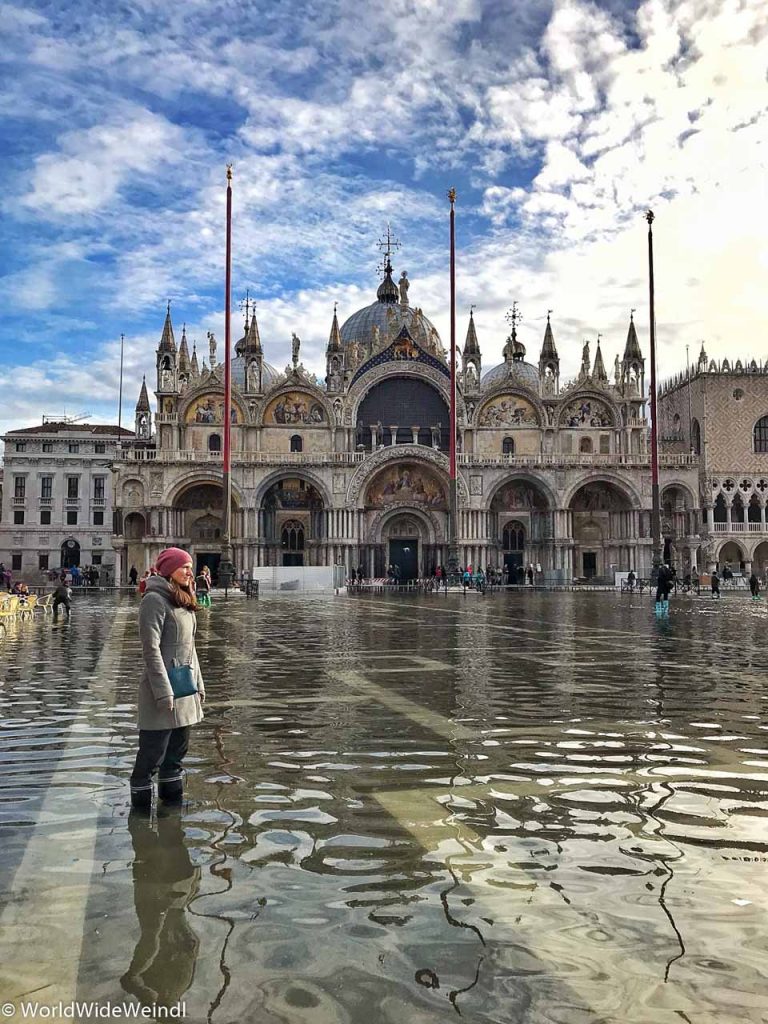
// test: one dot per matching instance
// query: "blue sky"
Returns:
(558, 122)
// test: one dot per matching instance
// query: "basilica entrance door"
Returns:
(293, 558)
(405, 554)
(211, 559)
(589, 564)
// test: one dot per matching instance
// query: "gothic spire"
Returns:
(334, 339)
(598, 370)
(143, 403)
(183, 352)
(252, 337)
(632, 348)
(194, 364)
(471, 345)
(548, 349)
(167, 341)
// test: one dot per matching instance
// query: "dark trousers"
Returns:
(162, 751)
(61, 600)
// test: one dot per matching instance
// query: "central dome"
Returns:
(373, 327)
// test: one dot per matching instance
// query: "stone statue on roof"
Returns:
(295, 346)
(212, 348)
(404, 284)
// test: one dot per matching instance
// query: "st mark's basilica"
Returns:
(353, 470)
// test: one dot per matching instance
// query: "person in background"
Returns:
(133, 575)
(203, 588)
(62, 595)
(715, 584)
(754, 586)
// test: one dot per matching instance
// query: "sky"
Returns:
(559, 122)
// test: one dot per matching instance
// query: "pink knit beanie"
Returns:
(168, 561)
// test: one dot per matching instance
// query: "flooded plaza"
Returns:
(511, 808)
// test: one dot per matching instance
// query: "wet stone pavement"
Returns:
(523, 808)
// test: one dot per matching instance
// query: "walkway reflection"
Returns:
(164, 883)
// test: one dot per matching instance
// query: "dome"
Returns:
(516, 372)
(385, 318)
(268, 374)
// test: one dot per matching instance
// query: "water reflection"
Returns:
(164, 883)
(522, 809)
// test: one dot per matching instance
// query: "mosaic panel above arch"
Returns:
(508, 411)
(586, 412)
(406, 482)
(518, 494)
(294, 408)
(210, 409)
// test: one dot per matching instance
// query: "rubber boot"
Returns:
(141, 799)
(171, 791)
(666, 607)
(659, 607)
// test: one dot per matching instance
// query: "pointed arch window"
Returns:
(696, 437)
(761, 435)
(508, 446)
(297, 443)
(292, 536)
(513, 537)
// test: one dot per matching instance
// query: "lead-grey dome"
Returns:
(515, 372)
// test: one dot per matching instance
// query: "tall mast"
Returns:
(453, 546)
(655, 504)
(226, 568)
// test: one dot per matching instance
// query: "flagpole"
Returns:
(120, 396)
(655, 503)
(453, 507)
(226, 568)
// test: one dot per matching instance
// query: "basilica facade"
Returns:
(353, 469)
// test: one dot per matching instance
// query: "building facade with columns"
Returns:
(353, 469)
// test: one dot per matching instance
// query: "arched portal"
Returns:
(522, 525)
(760, 560)
(198, 512)
(292, 522)
(603, 529)
(678, 523)
(731, 555)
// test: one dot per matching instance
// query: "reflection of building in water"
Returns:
(164, 883)
(354, 470)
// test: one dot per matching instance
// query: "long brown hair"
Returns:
(182, 597)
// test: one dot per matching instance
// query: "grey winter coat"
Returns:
(167, 634)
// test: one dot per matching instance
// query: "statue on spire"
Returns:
(585, 360)
(295, 346)
(212, 350)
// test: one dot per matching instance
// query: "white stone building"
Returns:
(57, 498)
(354, 470)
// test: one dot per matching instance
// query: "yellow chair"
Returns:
(27, 611)
(9, 608)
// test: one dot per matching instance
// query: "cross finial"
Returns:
(246, 305)
(388, 244)
(472, 309)
(649, 217)
(335, 306)
(513, 317)
(452, 195)
(168, 306)
(632, 314)
(599, 336)
(549, 313)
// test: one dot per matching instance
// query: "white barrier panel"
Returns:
(302, 578)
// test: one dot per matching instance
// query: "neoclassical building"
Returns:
(353, 469)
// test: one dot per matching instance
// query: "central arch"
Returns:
(521, 524)
(602, 515)
(403, 410)
(292, 515)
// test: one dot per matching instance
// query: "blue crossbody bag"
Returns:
(182, 680)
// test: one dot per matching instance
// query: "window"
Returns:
(16, 562)
(71, 517)
(47, 446)
(585, 446)
(42, 562)
(21, 446)
(45, 517)
(513, 538)
(74, 447)
(761, 435)
(98, 517)
(297, 445)
(18, 517)
(696, 438)
(605, 444)
(96, 558)
(98, 488)
(292, 538)
(508, 446)
(46, 486)
(19, 486)
(100, 447)
(73, 488)
(214, 443)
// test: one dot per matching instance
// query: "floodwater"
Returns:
(510, 808)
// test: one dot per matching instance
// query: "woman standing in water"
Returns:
(171, 691)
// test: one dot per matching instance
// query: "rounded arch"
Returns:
(730, 551)
(588, 410)
(521, 491)
(508, 446)
(760, 556)
(134, 526)
(407, 482)
(70, 553)
(527, 480)
(132, 493)
(214, 443)
(688, 495)
(625, 489)
(296, 473)
(403, 401)
(378, 531)
(293, 414)
(193, 478)
(509, 408)
(366, 470)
